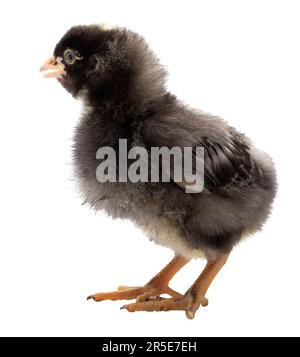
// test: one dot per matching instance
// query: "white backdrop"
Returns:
(236, 59)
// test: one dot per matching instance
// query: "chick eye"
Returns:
(70, 56)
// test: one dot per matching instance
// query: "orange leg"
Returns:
(192, 299)
(155, 287)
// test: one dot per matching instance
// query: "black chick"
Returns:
(122, 85)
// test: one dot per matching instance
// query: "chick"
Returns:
(122, 85)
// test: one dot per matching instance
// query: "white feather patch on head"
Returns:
(106, 27)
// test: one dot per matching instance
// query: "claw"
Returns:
(190, 314)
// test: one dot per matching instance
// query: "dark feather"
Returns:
(123, 87)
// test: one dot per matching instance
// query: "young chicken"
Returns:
(122, 85)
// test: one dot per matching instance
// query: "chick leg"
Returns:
(192, 299)
(155, 287)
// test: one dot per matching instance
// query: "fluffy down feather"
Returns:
(123, 87)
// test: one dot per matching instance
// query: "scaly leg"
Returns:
(155, 287)
(192, 299)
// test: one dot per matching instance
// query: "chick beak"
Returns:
(55, 67)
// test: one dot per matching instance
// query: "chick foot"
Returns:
(192, 299)
(188, 303)
(153, 289)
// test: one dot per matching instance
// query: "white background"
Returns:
(236, 59)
